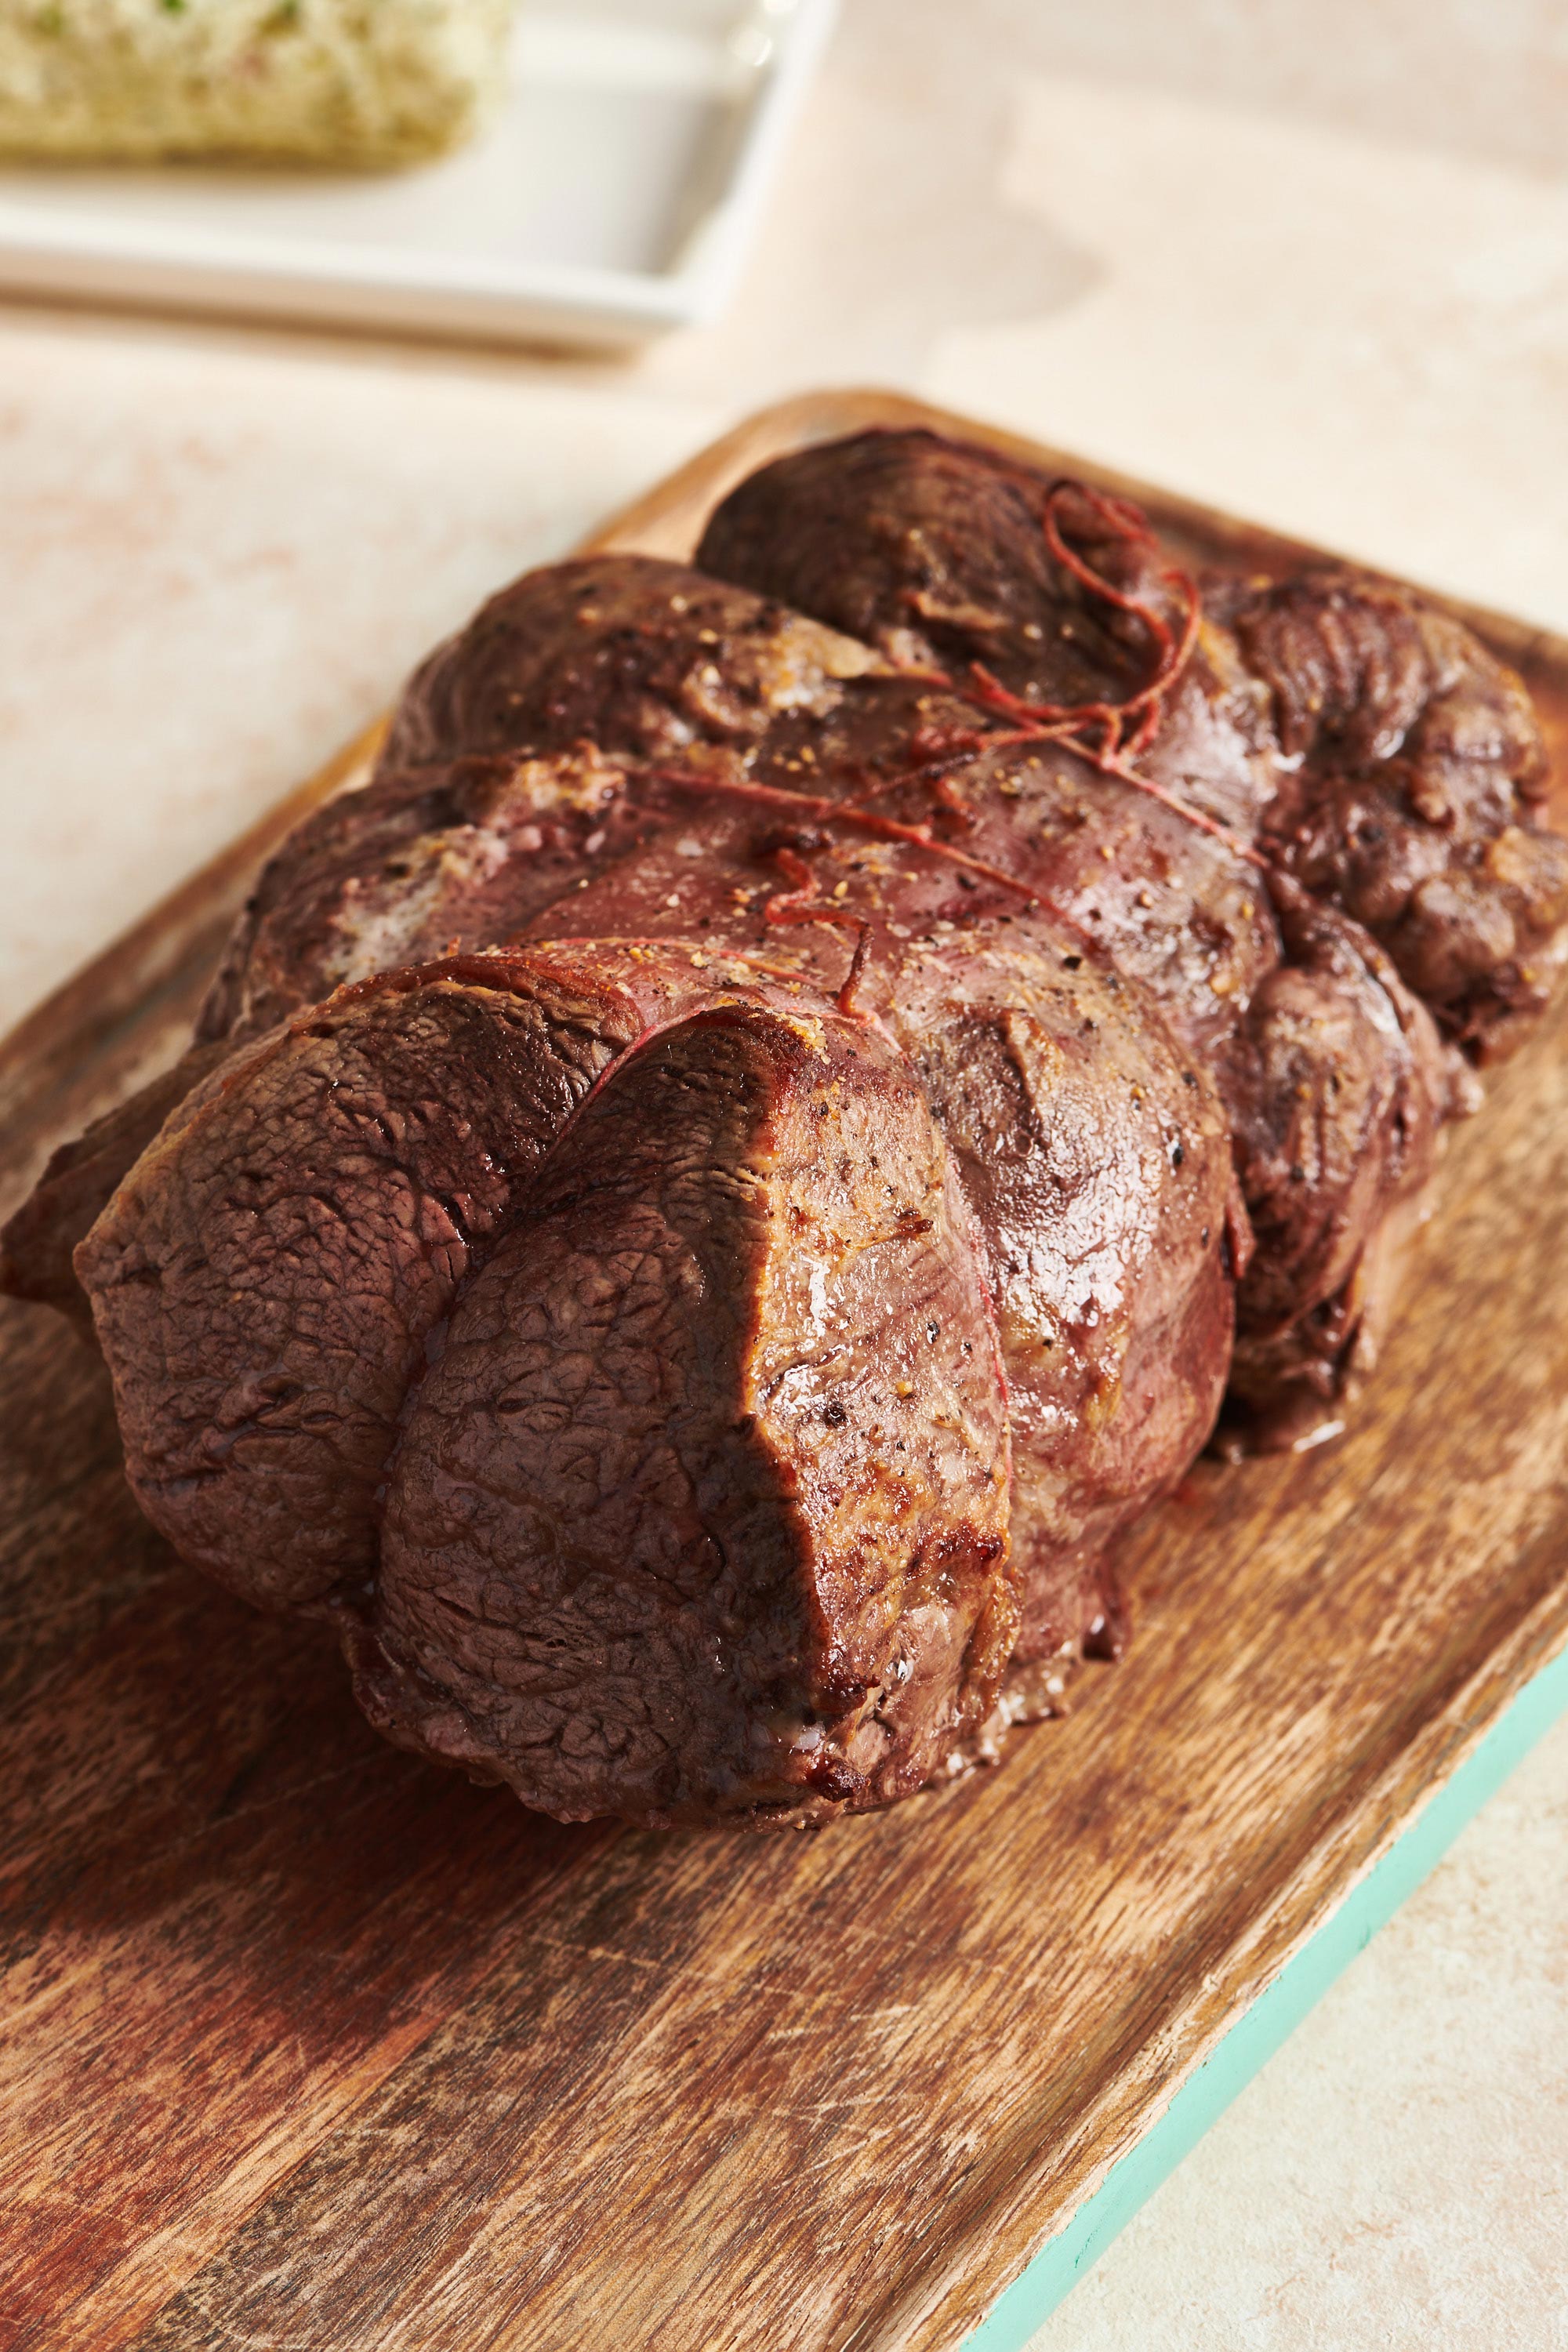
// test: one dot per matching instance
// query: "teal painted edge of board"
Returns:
(1273, 2016)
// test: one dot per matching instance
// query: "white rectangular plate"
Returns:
(613, 198)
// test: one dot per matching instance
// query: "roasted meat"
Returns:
(1409, 775)
(710, 1194)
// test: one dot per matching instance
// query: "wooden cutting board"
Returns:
(308, 2045)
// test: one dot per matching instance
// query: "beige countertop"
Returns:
(1310, 264)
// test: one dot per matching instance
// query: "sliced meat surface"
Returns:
(265, 1281)
(701, 1510)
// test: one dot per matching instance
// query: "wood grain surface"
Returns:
(306, 2046)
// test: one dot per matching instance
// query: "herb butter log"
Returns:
(707, 1195)
(347, 82)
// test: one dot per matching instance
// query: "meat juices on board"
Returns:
(721, 1181)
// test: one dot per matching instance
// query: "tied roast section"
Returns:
(708, 1194)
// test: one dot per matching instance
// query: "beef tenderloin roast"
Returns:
(710, 1193)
